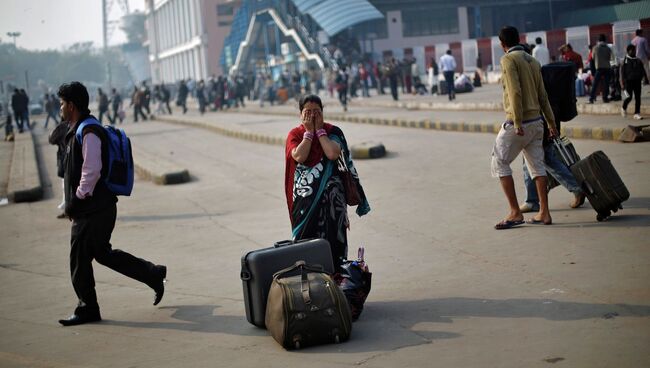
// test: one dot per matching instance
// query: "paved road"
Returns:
(447, 288)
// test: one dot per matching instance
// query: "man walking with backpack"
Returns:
(91, 207)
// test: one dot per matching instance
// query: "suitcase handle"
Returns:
(284, 243)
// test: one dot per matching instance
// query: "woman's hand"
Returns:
(308, 121)
(318, 120)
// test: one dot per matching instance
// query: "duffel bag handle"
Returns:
(299, 265)
(304, 280)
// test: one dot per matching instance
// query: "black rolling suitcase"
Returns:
(599, 180)
(258, 267)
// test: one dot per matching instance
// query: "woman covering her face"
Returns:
(314, 184)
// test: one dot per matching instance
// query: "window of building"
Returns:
(429, 22)
(225, 9)
(378, 27)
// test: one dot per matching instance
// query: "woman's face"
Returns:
(310, 109)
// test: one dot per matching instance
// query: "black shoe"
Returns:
(160, 287)
(80, 318)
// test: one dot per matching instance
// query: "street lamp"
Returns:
(14, 35)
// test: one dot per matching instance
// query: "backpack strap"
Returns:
(83, 125)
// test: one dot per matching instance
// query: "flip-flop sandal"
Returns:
(508, 224)
(538, 222)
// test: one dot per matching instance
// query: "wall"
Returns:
(395, 39)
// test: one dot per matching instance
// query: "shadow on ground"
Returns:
(392, 325)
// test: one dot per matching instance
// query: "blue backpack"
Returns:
(119, 178)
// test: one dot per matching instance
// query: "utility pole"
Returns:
(14, 35)
(105, 45)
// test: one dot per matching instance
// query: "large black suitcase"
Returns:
(602, 184)
(258, 267)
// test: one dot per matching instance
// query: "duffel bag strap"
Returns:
(304, 287)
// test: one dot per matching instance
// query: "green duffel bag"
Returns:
(305, 307)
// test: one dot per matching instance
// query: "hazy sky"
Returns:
(51, 24)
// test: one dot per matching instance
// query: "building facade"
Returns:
(185, 37)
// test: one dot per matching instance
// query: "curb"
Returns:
(606, 134)
(24, 178)
(611, 108)
(366, 150)
(253, 137)
(158, 171)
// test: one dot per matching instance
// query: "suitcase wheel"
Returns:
(603, 216)
(296, 345)
(337, 339)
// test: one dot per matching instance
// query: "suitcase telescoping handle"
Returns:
(561, 148)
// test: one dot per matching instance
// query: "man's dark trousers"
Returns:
(449, 79)
(18, 117)
(91, 237)
(101, 115)
(601, 73)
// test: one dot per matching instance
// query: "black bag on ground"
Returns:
(306, 309)
(601, 183)
(559, 82)
(258, 267)
(355, 281)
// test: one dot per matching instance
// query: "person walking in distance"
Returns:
(91, 207)
(146, 98)
(164, 92)
(102, 103)
(642, 52)
(524, 97)
(181, 98)
(137, 99)
(17, 107)
(116, 106)
(448, 66)
(392, 70)
(632, 74)
(50, 109)
(342, 80)
(602, 55)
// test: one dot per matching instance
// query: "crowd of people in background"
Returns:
(603, 72)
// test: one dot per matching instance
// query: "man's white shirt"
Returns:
(447, 63)
(540, 53)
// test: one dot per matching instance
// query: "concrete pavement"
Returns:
(448, 290)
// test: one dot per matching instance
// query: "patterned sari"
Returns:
(316, 193)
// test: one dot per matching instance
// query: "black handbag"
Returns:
(355, 280)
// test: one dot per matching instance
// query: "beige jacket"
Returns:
(524, 95)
